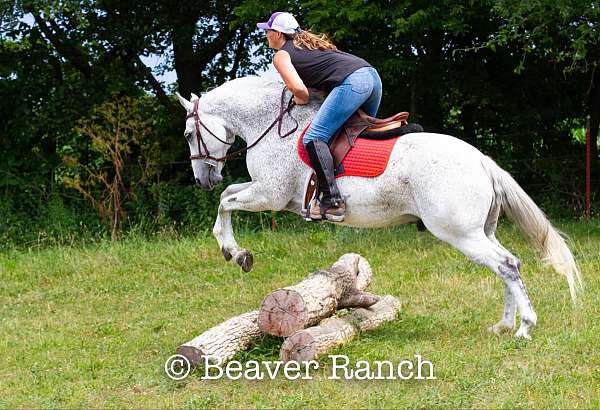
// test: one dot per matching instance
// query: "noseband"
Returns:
(209, 159)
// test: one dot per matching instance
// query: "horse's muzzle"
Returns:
(212, 180)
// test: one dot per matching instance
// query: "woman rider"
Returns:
(306, 60)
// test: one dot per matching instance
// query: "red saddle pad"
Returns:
(367, 158)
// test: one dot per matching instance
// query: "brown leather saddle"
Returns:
(364, 126)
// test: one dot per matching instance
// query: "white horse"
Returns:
(452, 187)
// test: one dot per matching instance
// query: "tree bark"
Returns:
(187, 66)
(308, 344)
(468, 124)
(240, 52)
(594, 127)
(293, 308)
(71, 52)
(432, 86)
(224, 340)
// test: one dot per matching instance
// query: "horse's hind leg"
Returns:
(479, 248)
(507, 323)
(506, 266)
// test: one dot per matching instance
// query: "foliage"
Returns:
(115, 130)
(565, 32)
(512, 78)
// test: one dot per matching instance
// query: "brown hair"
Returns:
(311, 41)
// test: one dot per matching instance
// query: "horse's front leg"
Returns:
(241, 197)
(222, 229)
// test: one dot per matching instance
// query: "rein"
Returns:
(283, 110)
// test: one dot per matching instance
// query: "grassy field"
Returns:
(92, 325)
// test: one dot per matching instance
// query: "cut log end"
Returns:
(193, 354)
(298, 347)
(282, 313)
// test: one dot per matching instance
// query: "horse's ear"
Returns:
(184, 103)
(194, 97)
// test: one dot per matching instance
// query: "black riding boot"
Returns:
(332, 206)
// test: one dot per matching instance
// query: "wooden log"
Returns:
(308, 344)
(293, 308)
(224, 340)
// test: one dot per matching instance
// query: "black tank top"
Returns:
(320, 69)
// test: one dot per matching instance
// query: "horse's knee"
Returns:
(217, 228)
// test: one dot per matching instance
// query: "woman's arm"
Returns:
(283, 64)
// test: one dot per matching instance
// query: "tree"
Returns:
(564, 33)
(114, 130)
(80, 54)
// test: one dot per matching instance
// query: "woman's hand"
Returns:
(300, 100)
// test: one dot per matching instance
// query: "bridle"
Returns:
(211, 160)
(198, 122)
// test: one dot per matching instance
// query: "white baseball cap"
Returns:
(280, 21)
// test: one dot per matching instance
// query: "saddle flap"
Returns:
(367, 158)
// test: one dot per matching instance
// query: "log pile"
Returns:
(308, 344)
(305, 314)
(287, 310)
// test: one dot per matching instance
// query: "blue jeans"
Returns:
(361, 89)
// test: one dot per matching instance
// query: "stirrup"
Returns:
(312, 213)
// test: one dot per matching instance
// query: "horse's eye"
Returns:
(187, 135)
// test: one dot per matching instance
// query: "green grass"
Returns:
(91, 325)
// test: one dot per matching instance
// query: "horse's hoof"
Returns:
(245, 260)
(500, 328)
(522, 333)
(226, 254)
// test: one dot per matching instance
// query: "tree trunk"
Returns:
(433, 83)
(224, 340)
(187, 65)
(240, 52)
(293, 308)
(594, 126)
(310, 343)
(468, 124)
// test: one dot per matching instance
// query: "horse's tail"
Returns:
(530, 219)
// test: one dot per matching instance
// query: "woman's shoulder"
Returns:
(281, 55)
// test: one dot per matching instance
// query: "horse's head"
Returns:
(208, 139)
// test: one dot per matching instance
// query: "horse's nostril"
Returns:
(198, 184)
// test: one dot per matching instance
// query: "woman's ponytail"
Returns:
(311, 41)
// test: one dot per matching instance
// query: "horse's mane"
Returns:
(243, 85)
(257, 90)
